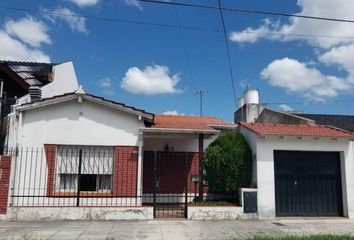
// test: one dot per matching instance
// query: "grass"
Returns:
(311, 237)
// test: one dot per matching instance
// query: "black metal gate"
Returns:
(166, 183)
(308, 183)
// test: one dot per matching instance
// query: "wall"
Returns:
(64, 81)
(176, 142)
(73, 123)
(248, 113)
(272, 116)
(5, 169)
(75, 213)
(265, 167)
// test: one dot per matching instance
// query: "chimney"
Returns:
(35, 93)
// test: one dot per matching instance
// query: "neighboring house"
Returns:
(301, 170)
(303, 164)
(53, 79)
(45, 79)
(78, 149)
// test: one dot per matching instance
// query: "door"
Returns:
(307, 183)
(165, 180)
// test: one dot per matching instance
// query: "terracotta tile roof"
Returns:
(304, 130)
(189, 122)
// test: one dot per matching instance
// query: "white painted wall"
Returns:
(76, 123)
(176, 142)
(66, 123)
(264, 149)
(64, 81)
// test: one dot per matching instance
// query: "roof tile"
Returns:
(303, 130)
(189, 122)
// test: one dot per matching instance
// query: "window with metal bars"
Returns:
(96, 168)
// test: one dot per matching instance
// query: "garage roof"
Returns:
(302, 130)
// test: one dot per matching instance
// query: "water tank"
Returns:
(251, 97)
(35, 93)
(240, 102)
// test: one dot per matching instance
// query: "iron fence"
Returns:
(73, 176)
(101, 176)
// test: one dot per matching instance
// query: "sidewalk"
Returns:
(170, 229)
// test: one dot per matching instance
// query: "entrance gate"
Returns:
(165, 182)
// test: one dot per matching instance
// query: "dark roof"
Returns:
(345, 122)
(33, 73)
(92, 96)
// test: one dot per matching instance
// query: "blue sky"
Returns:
(147, 66)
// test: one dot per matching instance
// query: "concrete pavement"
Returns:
(171, 229)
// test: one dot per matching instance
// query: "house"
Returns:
(78, 153)
(303, 164)
(44, 79)
(53, 79)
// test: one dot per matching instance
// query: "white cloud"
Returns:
(15, 50)
(151, 80)
(86, 3)
(28, 30)
(105, 82)
(297, 77)
(341, 56)
(106, 86)
(171, 112)
(137, 4)
(133, 3)
(75, 22)
(252, 35)
(298, 28)
(286, 108)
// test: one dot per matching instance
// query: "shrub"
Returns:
(228, 163)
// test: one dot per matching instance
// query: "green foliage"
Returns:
(228, 163)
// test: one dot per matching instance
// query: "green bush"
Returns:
(228, 163)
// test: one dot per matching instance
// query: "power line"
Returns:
(228, 53)
(253, 11)
(164, 25)
(107, 19)
(185, 50)
(296, 34)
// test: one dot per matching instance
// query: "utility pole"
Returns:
(201, 148)
(201, 93)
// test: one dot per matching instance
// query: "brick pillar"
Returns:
(50, 154)
(125, 171)
(5, 170)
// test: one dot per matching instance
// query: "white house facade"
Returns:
(301, 170)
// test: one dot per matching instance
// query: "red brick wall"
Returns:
(125, 171)
(5, 170)
(50, 153)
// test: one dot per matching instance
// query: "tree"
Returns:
(228, 163)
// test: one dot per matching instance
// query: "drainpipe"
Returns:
(201, 147)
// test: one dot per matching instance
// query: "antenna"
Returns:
(201, 93)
